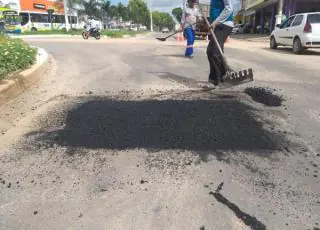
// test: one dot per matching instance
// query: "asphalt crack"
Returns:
(247, 219)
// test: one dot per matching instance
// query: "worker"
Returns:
(188, 24)
(221, 19)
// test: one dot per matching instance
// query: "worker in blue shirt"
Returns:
(221, 18)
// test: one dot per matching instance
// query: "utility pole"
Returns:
(150, 11)
(151, 20)
(65, 7)
(279, 13)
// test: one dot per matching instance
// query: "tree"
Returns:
(139, 12)
(105, 7)
(177, 13)
(72, 6)
(123, 12)
(91, 8)
(113, 12)
(161, 20)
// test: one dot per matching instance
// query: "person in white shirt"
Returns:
(188, 23)
(92, 24)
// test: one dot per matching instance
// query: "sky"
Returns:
(163, 5)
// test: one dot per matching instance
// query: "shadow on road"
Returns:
(286, 50)
(202, 126)
(176, 55)
(187, 81)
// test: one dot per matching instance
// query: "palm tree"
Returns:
(73, 5)
(106, 8)
(123, 12)
(113, 12)
(91, 8)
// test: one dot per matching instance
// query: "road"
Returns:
(118, 135)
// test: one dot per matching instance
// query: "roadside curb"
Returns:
(23, 80)
(45, 36)
(65, 36)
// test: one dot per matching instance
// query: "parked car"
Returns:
(301, 31)
(165, 30)
(238, 29)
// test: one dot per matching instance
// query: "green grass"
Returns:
(109, 33)
(120, 33)
(52, 32)
(15, 55)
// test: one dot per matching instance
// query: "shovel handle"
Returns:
(214, 36)
(178, 31)
(173, 34)
(217, 43)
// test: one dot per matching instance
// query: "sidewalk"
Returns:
(251, 37)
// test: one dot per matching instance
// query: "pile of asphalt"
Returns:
(264, 96)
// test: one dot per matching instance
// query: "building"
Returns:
(12, 4)
(41, 6)
(263, 15)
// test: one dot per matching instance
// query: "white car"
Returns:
(237, 29)
(165, 30)
(301, 31)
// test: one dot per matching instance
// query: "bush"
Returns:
(15, 55)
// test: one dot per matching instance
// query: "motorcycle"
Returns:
(94, 32)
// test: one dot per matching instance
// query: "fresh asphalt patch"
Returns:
(178, 130)
(205, 127)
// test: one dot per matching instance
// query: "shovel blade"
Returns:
(161, 39)
(242, 75)
(237, 78)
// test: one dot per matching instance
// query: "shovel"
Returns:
(165, 38)
(240, 77)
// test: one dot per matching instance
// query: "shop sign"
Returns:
(39, 6)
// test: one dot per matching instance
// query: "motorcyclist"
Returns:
(90, 26)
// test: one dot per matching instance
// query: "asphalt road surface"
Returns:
(119, 135)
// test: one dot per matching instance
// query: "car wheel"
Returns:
(297, 46)
(273, 43)
(33, 29)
